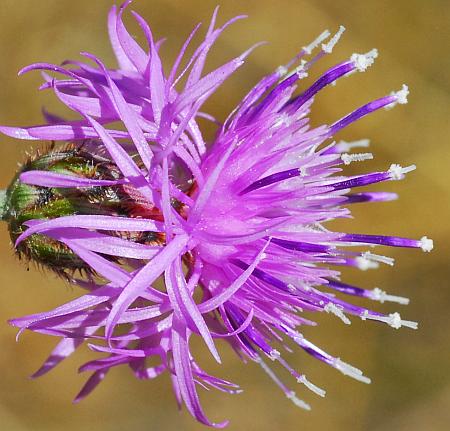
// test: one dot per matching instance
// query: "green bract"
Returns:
(22, 202)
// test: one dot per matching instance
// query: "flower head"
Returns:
(236, 230)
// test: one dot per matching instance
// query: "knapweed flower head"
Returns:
(176, 238)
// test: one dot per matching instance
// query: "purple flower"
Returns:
(243, 246)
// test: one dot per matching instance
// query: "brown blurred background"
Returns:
(410, 369)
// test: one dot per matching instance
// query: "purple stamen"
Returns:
(271, 179)
(301, 246)
(346, 288)
(360, 181)
(391, 241)
(262, 275)
(371, 197)
(361, 112)
(332, 75)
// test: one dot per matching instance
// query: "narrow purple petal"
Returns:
(391, 241)
(361, 112)
(144, 277)
(122, 58)
(128, 116)
(184, 375)
(92, 222)
(90, 385)
(53, 179)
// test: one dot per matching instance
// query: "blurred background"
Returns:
(410, 369)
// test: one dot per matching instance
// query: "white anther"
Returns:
(337, 310)
(296, 336)
(350, 370)
(359, 157)
(281, 71)
(393, 320)
(306, 287)
(398, 173)
(344, 146)
(303, 171)
(297, 401)
(316, 42)
(363, 61)
(396, 322)
(282, 120)
(300, 70)
(291, 287)
(381, 296)
(311, 386)
(317, 227)
(364, 264)
(328, 47)
(213, 284)
(379, 258)
(401, 97)
(274, 355)
(426, 244)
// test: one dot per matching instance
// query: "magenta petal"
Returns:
(156, 76)
(97, 297)
(53, 179)
(128, 116)
(184, 375)
(105, 244)
(130, 47)
(64, 349)
(123, 160)
(122, 58)
(189, 308)
(229, 292)
(92, 222)
(90, 385)
(17, 132)
(145, 277)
